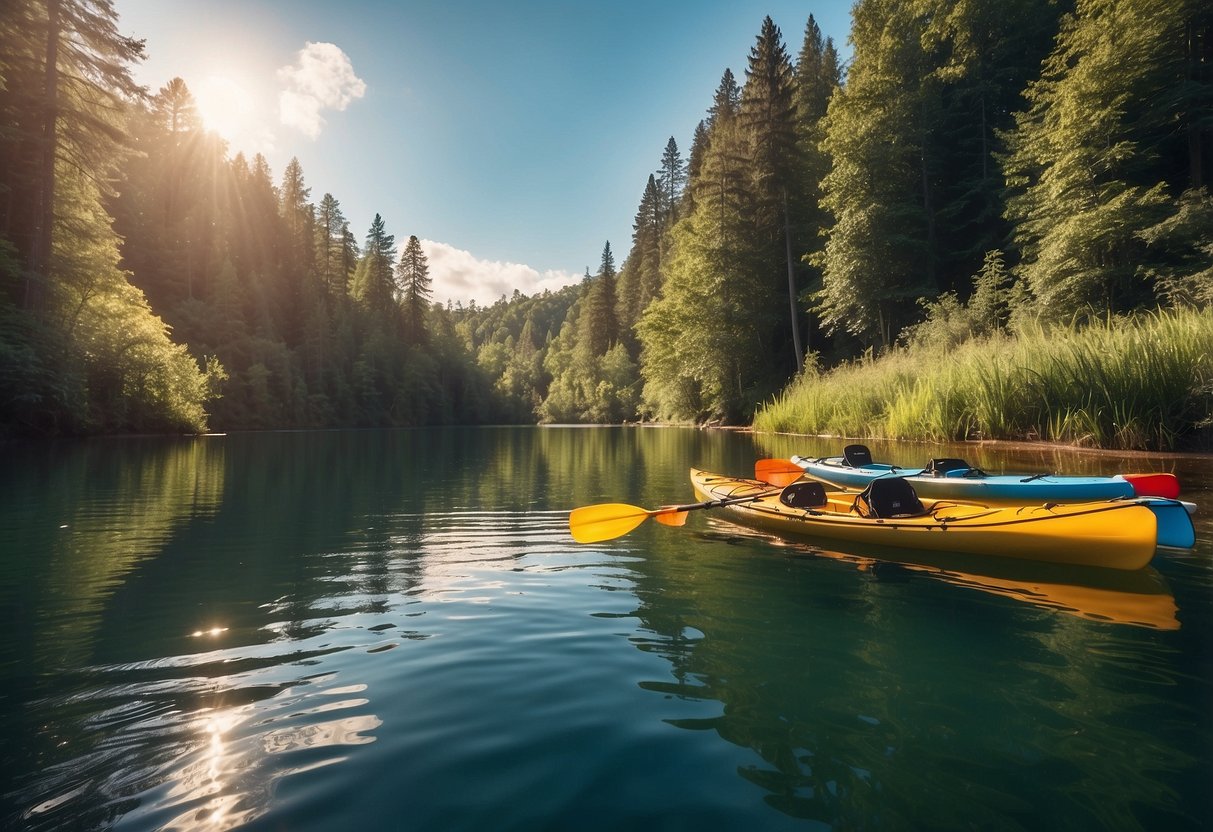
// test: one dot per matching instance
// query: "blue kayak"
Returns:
(954, 479)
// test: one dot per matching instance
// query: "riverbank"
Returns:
(1143, 384)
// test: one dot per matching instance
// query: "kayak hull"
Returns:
(1174, 518)
(1115, 535)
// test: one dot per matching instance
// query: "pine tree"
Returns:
(713, 284)
(671, 180)
(726, 101)
(66, 72)
(599, 330)
(768, 114)
(293, 204)
(175, 109)
(989, 305)
(415, 288)
(640, 279)
(301, 288)
(699, 147)
(817, 77)
(373, 282)
(878, 255)
(333, 265)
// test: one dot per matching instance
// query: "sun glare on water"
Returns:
(225, 106)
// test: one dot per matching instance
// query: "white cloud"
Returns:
(322, 78)
(461, 276)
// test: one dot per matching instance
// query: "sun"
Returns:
(225, 107)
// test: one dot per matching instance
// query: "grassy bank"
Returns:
(1145, 384)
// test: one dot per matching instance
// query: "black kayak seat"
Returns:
(803, 495)
(888, 497)
(947, 466)
(857, 456)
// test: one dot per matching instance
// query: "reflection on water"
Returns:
(344, 630)
(1138, 598)
(99, 511)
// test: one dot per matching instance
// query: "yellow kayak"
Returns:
(1116, 535)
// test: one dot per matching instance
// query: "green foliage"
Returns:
(949, 321)
(590, 389)
(415, 289)
(374, 283)
(1093, 161)
(83, 351)
(913, 189)
(863, 207)
(640, 279)
(1181, 252)
(706, 341)
(38, 386)
(1137, 383)
(876, 257)
(817, 77)
(711, 342)
(593, 378)
(598, 327)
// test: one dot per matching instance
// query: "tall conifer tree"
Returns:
(331, 230)
(639, 281)
(817, 77)
(768, 114)
(671, 179)
(373, 281)
(877, 258)
(415, 287)
(599, 330)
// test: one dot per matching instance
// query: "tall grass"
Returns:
(1140, 383)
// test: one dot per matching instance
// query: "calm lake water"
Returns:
(394, 630)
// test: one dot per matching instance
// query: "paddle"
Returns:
(607, 521)
(777, 472)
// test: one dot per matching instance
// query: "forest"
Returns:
(977, 170)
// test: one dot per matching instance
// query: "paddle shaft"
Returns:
(722, 501)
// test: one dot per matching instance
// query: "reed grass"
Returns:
(1139, 383)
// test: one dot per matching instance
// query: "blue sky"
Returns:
(514, 138)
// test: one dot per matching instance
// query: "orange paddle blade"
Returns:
(777, 472)
(673, 517)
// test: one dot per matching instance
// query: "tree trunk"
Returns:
(1200, 51)
(929, 211)
(787, 238)
(928, 207)
(40, 248)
